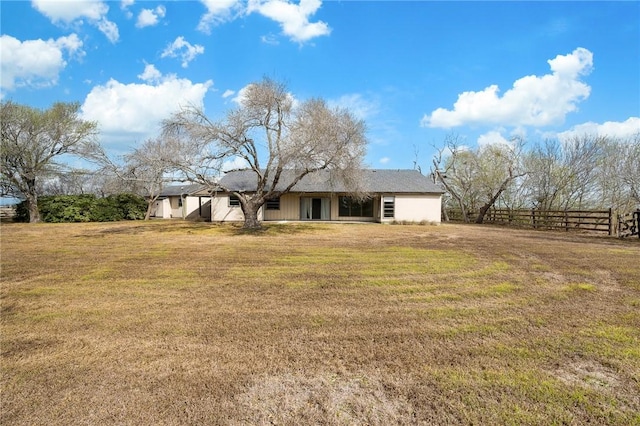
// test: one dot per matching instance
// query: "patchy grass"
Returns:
(171, 322)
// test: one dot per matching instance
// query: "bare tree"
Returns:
(618, 176)
(562, 175)
(477, 178)
(498, 166)
(147, 169)
(270, 135)
(447, 172)
(143, 171)
(33, 139)
(631, 168)
(76, 181)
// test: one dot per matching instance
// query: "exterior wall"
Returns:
(197, 207)
(417, 208)
(221, 211)
(161, 209)
(289, 209)
(410, 208)
(169, 207)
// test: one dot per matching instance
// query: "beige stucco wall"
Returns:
(192, 207)
(170, 208)
(162, 209)
(222, 212)
(417, 208)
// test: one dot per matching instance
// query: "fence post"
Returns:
(638, 222)
(533, 218)
(610, 221)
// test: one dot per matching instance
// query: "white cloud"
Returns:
(125, 5)
(132, 112)
(234, 164)
(242, 94)
(150, 17)
(493, 137)
(150, 74)
(180, 48)
(218, 11)
(355, 103)
(293, 18)
(109, 29)
(614, 129)
(270, 39)
(74, 11)
(35, 63)
(532, 101)
(228, 93)
(384, 160)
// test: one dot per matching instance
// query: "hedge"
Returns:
(85, 208)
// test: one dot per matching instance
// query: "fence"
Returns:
(604, 221)
(629, 224)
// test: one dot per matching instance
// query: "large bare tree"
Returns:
(32, 141)
(269, 134)
(477, 178)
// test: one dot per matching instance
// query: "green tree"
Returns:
(32, 141)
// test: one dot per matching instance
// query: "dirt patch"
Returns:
(326, 398)
(589, 374)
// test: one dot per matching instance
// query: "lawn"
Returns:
(171, 322)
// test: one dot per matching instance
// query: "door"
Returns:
(316, 209)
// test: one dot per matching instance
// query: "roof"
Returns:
(373, 181)
(185, 189)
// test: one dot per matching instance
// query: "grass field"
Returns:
(169, 322)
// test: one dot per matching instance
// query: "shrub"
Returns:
(86, 208)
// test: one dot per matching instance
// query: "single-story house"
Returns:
(394, 196)
(189, 201)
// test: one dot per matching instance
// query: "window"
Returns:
(273, 204)
(234, 201)
(350, 207)
(389, 206)
(180, 202)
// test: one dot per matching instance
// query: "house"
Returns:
(191, 201)
(394, 195)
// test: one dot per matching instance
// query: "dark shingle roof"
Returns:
(373, 181)
(184, 189)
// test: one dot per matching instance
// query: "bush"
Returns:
(22, 212)
(86, 208)
(133, 207)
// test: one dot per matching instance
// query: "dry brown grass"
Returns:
(192, 323)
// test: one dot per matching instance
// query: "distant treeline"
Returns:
(86, 208)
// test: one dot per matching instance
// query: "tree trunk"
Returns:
(250, 210)
(147, 215)
(32, 202)
(492, 200)
(483, 211)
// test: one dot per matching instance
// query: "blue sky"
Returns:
(415, 71)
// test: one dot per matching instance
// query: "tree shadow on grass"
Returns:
(202, 227)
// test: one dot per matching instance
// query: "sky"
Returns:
(415, 71)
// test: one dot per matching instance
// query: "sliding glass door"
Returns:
(315, 208)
